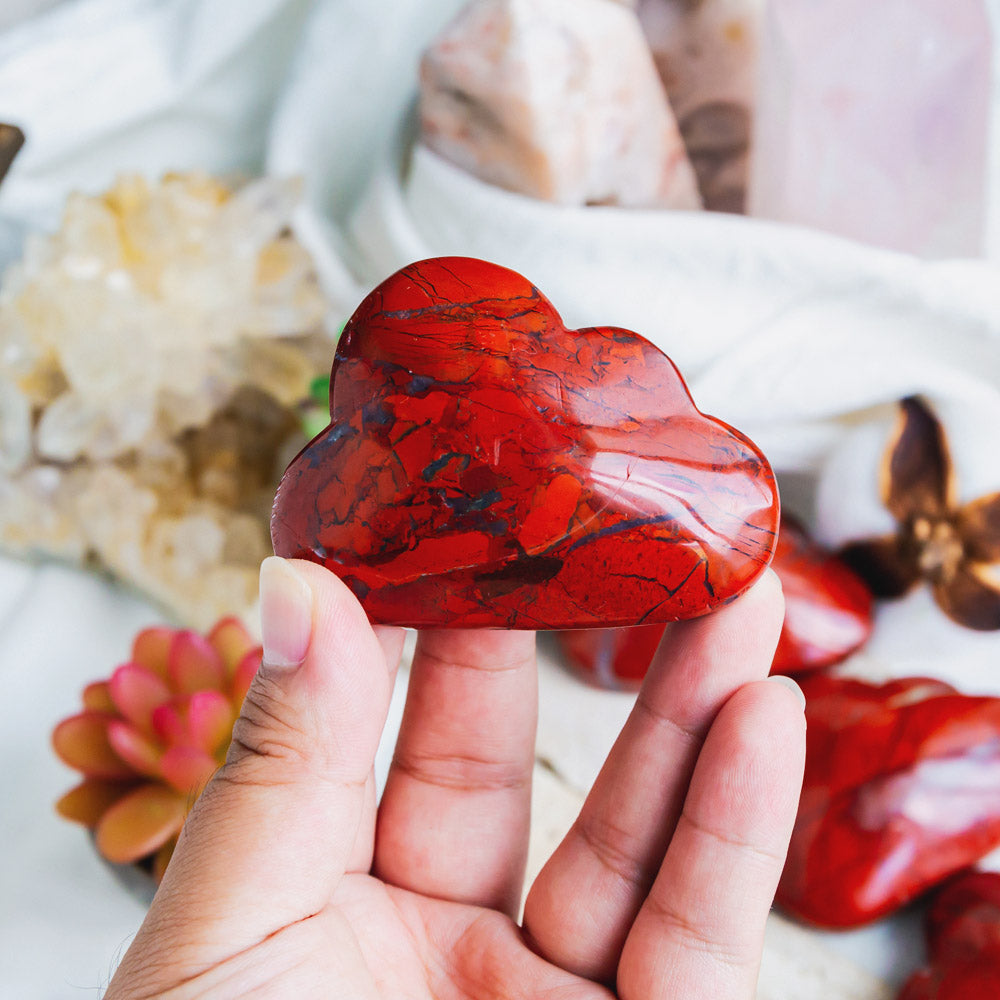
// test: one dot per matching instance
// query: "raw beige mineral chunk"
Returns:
(154, 353)
(706, 52)
(557, 99)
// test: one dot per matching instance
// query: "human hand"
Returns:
(289, 880)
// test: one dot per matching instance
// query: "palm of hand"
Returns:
(290, 882)
(408, 945)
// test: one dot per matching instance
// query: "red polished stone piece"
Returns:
(966, 979)
(828, 607)
(828, 615)
(900, 792)
(963, 942)
(964, 917)
(612, 658)
(485, 466)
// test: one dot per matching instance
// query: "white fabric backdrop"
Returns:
(793, 336)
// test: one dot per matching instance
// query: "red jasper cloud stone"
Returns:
(828, 615)
(485, 466)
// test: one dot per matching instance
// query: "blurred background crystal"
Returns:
(557, 99)
(153, 355)
(881, 122)
(706, 53)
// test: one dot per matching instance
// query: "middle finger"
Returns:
(454, 818)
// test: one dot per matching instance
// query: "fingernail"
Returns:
(286, 606)
(791, 685)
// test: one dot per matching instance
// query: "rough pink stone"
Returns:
(557, 99)
(706, 53)
(874, 122)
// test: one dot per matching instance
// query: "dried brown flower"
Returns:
(950, 546)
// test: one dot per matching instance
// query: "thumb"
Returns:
(279, 822)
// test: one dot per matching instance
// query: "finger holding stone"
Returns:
(611, 855)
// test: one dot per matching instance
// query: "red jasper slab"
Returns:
(485, 466)
(612, 658)
(966, 979)
(963, 942)
(828, 607)
(828, 615)
(900, 791)
(964, 917)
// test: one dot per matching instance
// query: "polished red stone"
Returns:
(965, 979)
(964, 917)
(900, 792)
(828, 607)
(485, 466)
(963, 942)
(828, 615)
(612, 658)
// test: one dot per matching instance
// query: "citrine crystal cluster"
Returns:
(154, 353)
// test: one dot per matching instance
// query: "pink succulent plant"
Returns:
(150, 737)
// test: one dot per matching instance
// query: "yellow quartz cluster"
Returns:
(153, 353)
